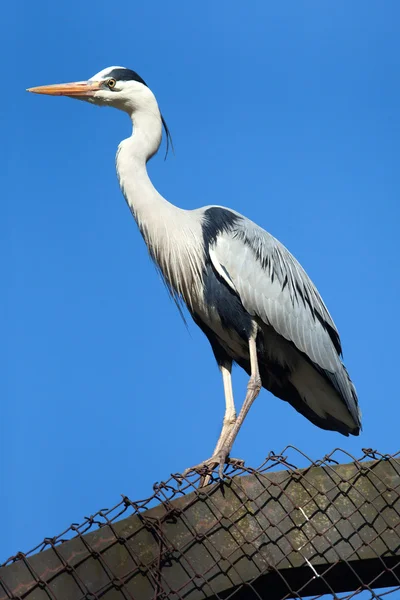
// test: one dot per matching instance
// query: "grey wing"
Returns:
(275, 288)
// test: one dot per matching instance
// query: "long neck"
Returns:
(172, 235)
(146, 204)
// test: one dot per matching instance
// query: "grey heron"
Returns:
(242, 287)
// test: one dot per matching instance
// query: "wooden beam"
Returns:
(276, 534)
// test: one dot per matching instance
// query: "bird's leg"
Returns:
(230, 411)
(229, 417)
(227, 426)
(230, 431)
(253, 389)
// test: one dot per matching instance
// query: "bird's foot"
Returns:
(205, 468)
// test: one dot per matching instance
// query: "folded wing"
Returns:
(274, 288)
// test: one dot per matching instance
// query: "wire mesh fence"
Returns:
(292, 528)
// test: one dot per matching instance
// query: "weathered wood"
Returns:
(280, 534)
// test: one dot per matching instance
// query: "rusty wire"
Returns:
(293, 528)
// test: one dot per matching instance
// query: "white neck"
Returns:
(172, 235)
(133, 153)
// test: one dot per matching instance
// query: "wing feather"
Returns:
(274, 288)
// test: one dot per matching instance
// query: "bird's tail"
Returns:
(328, 400)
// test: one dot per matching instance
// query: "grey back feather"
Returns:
(275, 288)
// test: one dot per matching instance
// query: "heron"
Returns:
(242, 287)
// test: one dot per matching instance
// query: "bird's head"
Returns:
(114, 86)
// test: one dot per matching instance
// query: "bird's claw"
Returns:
(206, 467)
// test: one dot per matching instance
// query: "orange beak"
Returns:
(75, 89)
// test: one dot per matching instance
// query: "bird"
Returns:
(242, 287)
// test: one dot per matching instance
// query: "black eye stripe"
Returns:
(125, 75)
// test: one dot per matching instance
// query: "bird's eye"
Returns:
(111, 83)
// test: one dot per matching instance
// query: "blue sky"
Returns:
(285, 111)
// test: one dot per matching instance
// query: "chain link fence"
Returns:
(292, 528)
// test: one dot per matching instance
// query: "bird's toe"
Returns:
(203, 468)
(206, 467)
